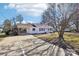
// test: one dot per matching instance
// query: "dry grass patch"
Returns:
(2, 35)
(48, 37)
(0, 39)
(12, 39)
(71, 38)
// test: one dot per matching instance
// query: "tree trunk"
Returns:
(61, 41)
(76, 26)
(61, 38)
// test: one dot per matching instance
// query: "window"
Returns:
(20, 29)
(50, 29)
(24, 30)
(41, 29)
(33, 29)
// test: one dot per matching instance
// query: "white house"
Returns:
(34, 28)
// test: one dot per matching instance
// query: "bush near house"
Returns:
(10, 32)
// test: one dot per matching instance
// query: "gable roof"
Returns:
(42, 25)
(24, 25)
(28, 25)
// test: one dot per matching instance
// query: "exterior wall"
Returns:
(30, 31)
(22, 31)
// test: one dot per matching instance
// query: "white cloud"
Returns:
(10, 6)
(24, 22)
(29, 21)
(33, 9)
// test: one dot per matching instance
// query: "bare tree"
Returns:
(76, 21)
(60, 16)
(19, 18)
(7, 26)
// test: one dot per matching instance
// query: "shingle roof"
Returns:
(24, 25)
(42, 25)
(28, 25)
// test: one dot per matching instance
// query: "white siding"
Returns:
(30, 31)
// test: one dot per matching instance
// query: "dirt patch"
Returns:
(10, 40)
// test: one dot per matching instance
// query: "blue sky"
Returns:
(31, 12)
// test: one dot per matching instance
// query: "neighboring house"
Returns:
(34, 28)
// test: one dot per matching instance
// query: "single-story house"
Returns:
(34, 28)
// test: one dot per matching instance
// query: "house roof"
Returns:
(42, 25)
(28, 25)
(24, 25)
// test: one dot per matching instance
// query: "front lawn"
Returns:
(2, 35)
(48, 37)
(71, 38)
